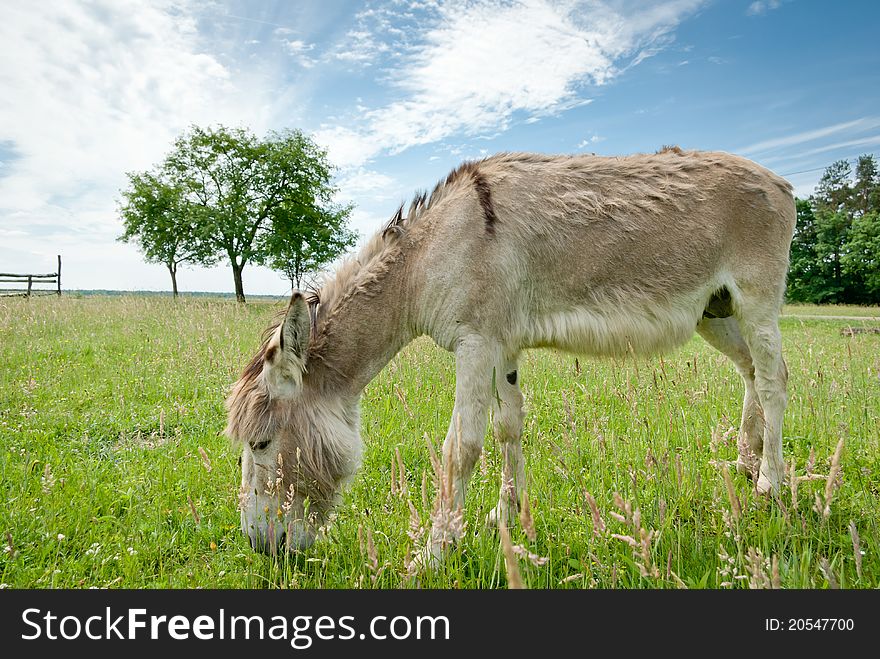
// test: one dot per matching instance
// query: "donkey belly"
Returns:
(616, 298)
(617, 330)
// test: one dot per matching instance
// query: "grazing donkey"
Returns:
(596, 255)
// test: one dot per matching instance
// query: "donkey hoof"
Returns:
(765, 486)
(429, 558)
(745, 468)
(498, 516)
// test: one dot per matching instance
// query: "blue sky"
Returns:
(400, 92)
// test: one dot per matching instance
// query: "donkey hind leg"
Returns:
(507, 420)
(723, 334)
(760, 329)
(475, 358)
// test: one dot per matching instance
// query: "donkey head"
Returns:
(300, 437)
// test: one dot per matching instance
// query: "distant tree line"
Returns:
(224, 194)
(835, 254)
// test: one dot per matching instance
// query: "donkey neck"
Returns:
(364, 333)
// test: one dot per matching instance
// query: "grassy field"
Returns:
(105, 404)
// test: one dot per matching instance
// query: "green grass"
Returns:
(831, 310)
(104, 403)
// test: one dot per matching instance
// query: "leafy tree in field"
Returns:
(835, 249)
(224, 193)
(239, 189)
(156, 218)
(866, 191)
(833, 199)
(308, 230)
(863, 254)
(832, 238)
(305, 240)
(834, 191)
(862, 259)
(220, 172)
(805, 278)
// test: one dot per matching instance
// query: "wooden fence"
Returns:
(30, 280)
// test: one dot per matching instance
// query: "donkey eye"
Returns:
(259, 446)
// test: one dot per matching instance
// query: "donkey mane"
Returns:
(249, 399)
(360, 274)
(253, 414)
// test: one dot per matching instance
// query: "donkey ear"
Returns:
(285, 355)
(296, 328)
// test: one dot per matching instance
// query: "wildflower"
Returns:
(514, 580)
(205, 461)
(535, 560)
(47, 480)
(525, 518)
(857, 551)
(598, 523)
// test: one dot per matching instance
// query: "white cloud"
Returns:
(367, 184)
(871, 140)
(478, 64)
(864, 123)
(593, 139)
(92, 90)
(361, 47)
(347, 147)
(365, 222)
(299, 46)
(762, 7)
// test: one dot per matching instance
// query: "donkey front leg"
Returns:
(507, 416)
(475, 358)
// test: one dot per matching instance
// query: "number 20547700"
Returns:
(808, 624)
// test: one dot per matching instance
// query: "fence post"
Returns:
(30, 283)
(59, 275)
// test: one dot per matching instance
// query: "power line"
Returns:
(803, 171)
(852, 161)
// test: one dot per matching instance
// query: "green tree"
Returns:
(866, 191)
(308, 230)
(304, 240)
(156, 218)
(237, 184)
(834, 191)
(835, 249)
(832, 238)
(833, 210)
(806, 278)
(862, 259)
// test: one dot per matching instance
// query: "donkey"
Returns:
(596, 255)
